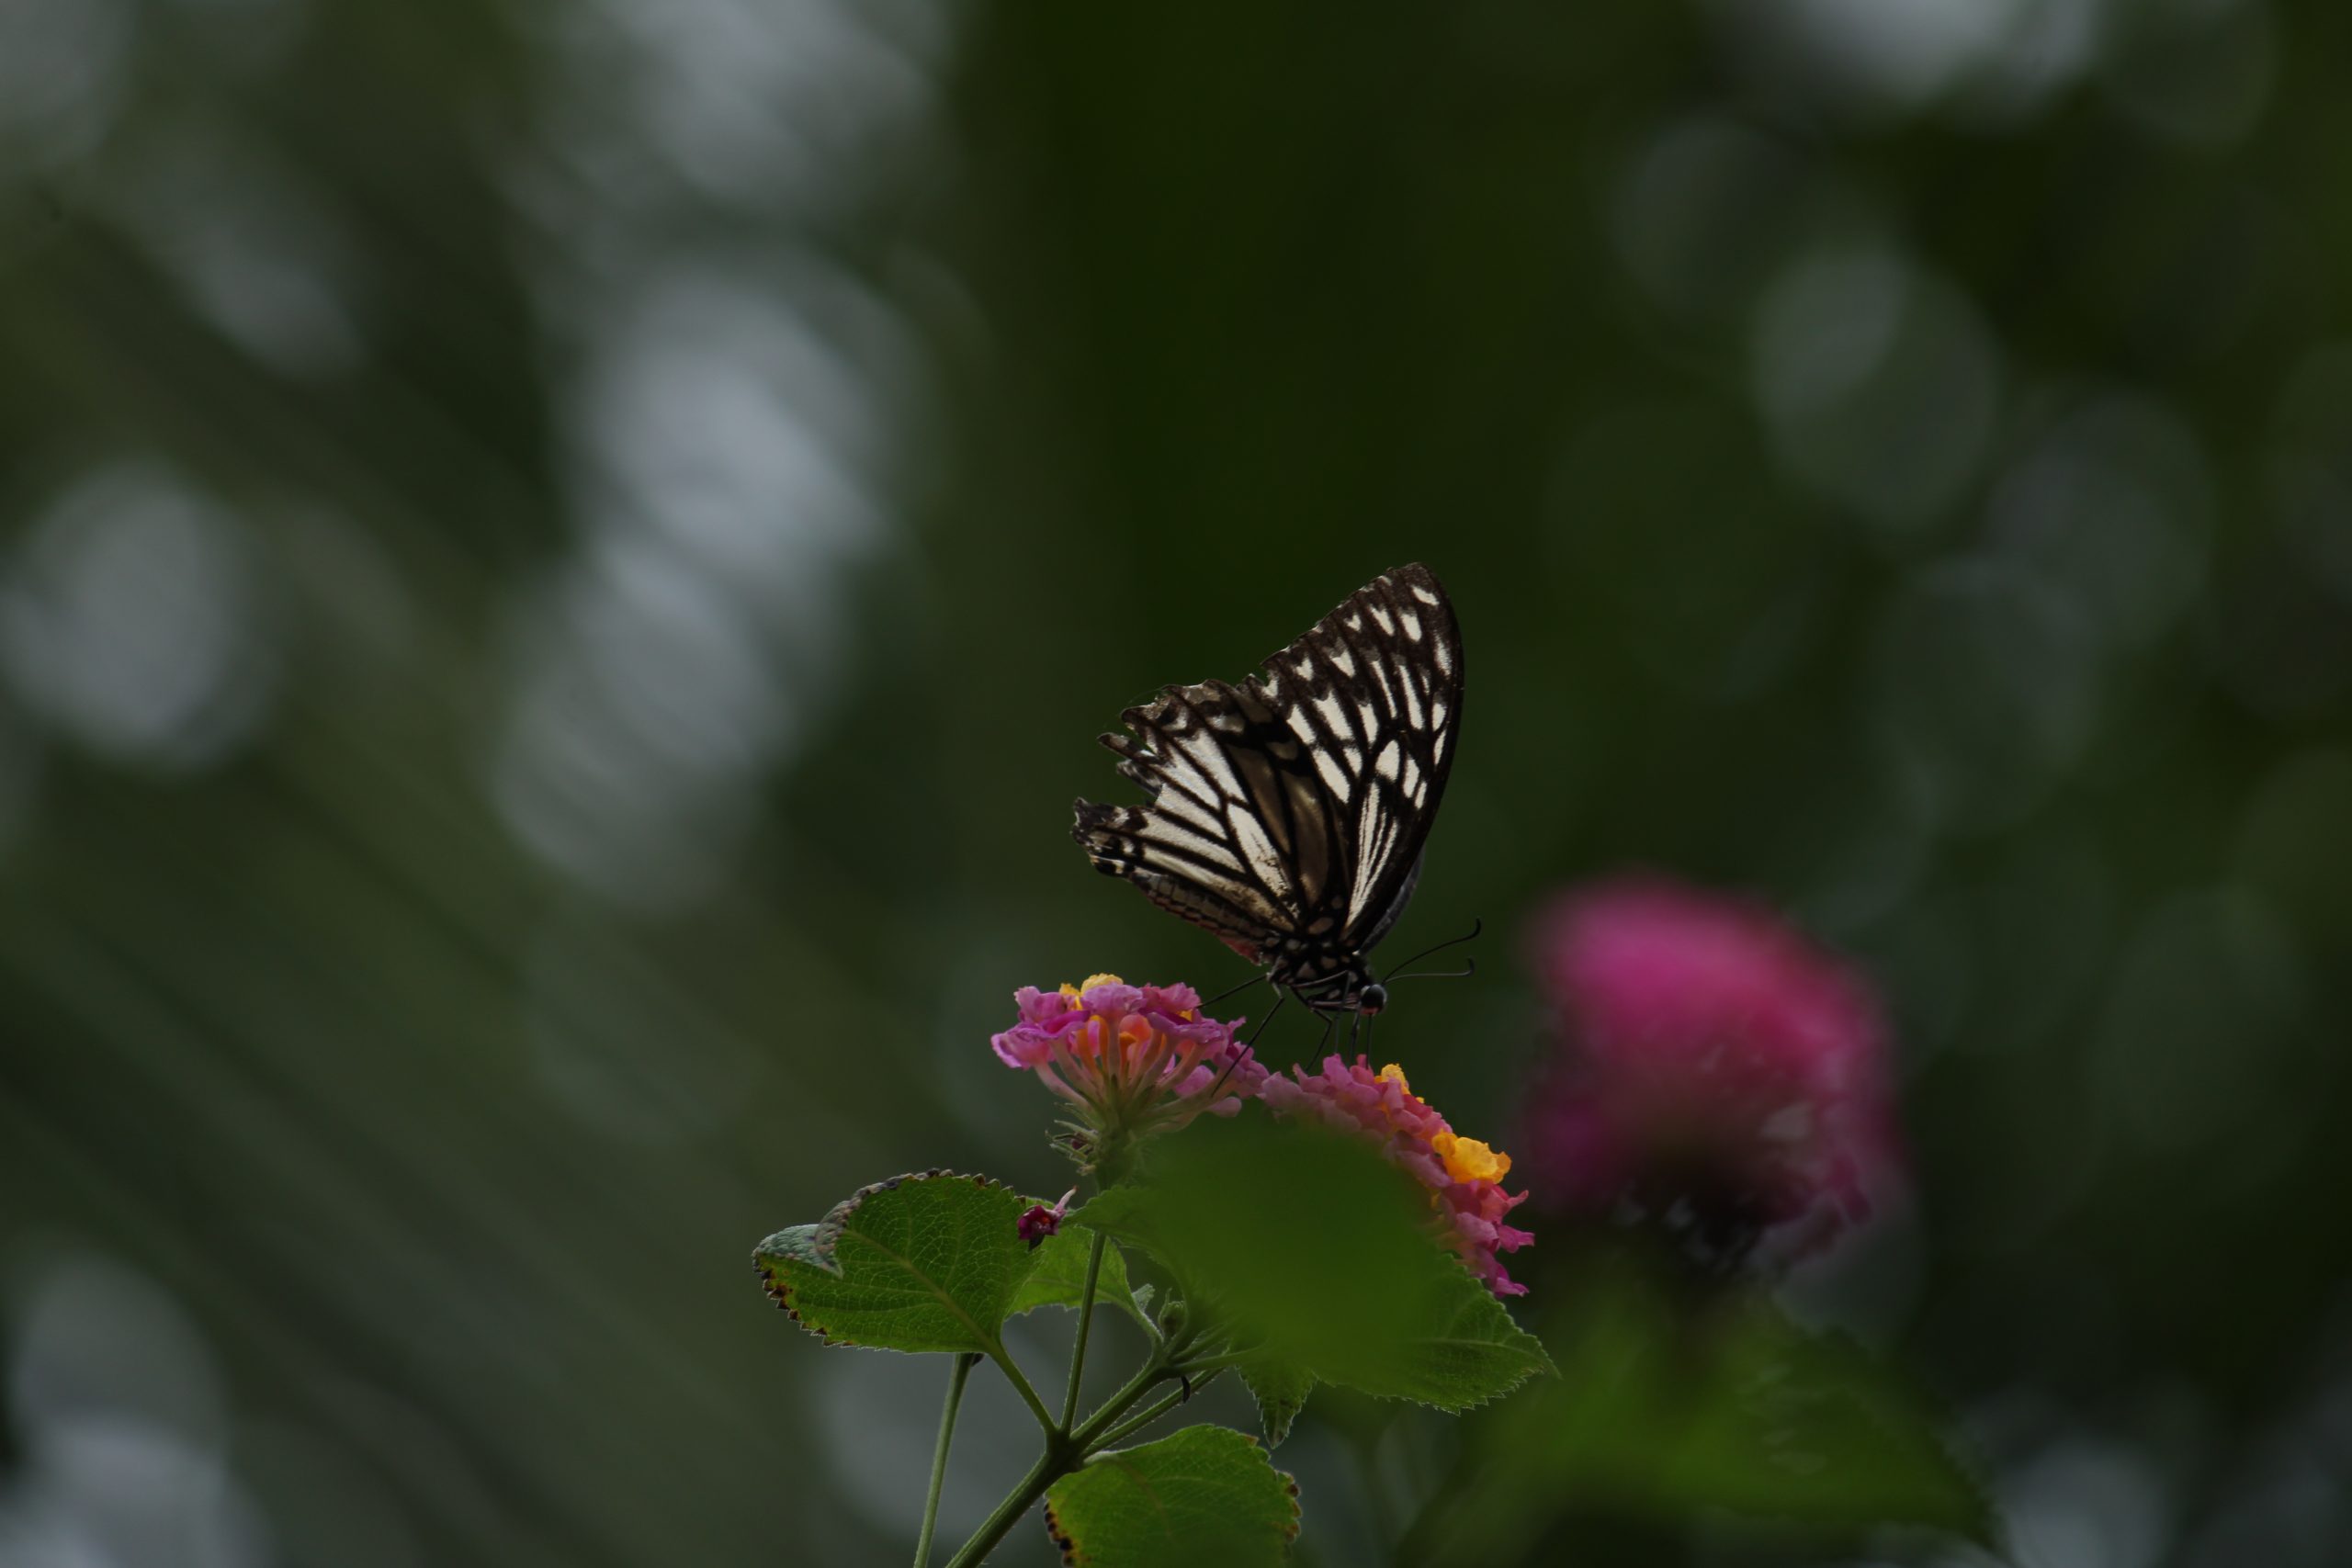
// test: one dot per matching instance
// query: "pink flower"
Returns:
(1719, 1073)
(1136, 1060)
(1465, 1176)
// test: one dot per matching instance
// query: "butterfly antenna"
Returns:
(1471, 935)
(1469, 968)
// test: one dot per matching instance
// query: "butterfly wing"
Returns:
(1296, 805)
(1234, 839)
(1373, 689)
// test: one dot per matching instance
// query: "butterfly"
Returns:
(1288, 813)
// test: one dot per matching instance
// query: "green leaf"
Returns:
(797, 1244)
(1312, 1245)
(1058, 1278)
(1126, 1212)
(1202, 1495)
(924, 1262)
(1280, 1391)
(1666, 1405)
(1460, 1349)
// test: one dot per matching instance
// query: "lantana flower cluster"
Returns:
(1135, 1060)
(1717, 1072)
(1465, 1176)
(1139, 1060)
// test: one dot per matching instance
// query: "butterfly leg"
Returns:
(1236, 990)
(1280, 998)
(1248, 1045)
(1225, 1074)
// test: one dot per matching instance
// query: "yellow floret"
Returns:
(1467, 1160)
(1394, 1073)
(1074, 992)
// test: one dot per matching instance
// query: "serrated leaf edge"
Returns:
(1949, 1438)
(826, 1239)
(1068, 1548)
(1544, 1367)
(1275, 1429)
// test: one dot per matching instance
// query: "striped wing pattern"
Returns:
(1287, 813)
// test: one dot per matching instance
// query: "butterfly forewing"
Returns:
(1288, 813)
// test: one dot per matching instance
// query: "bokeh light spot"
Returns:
(132, 619)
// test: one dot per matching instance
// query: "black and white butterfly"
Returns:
(1288, 813)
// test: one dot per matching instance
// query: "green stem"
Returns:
(1022, 1386)
(1085, 1323)
(1155, 1372)
(1050, 1467)
(1064, 1452)
(964, 1365)
(1148, 1414)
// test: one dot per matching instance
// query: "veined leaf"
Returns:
(924, 1262)
(1280, 1391)
(1202, 1495)
(1058, 1278)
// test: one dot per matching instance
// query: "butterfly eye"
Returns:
(1372, 999)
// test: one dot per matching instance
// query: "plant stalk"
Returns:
(955, 1379)
(1148, 1415)
(1065, 1451)
(1085, 1323)
(1050, 1467)
(1021, 1385)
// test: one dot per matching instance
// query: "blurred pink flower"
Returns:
(1719, 1073)
(1465, 1176)
(1136, 1060)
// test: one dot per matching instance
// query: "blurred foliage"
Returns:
(1308, 1248)
(562, 561)
(1671, 1408)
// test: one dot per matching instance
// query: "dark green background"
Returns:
(563, 562)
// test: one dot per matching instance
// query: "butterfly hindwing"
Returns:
(1233, 839)
(1288, 813)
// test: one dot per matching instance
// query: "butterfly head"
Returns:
(1339, 985)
